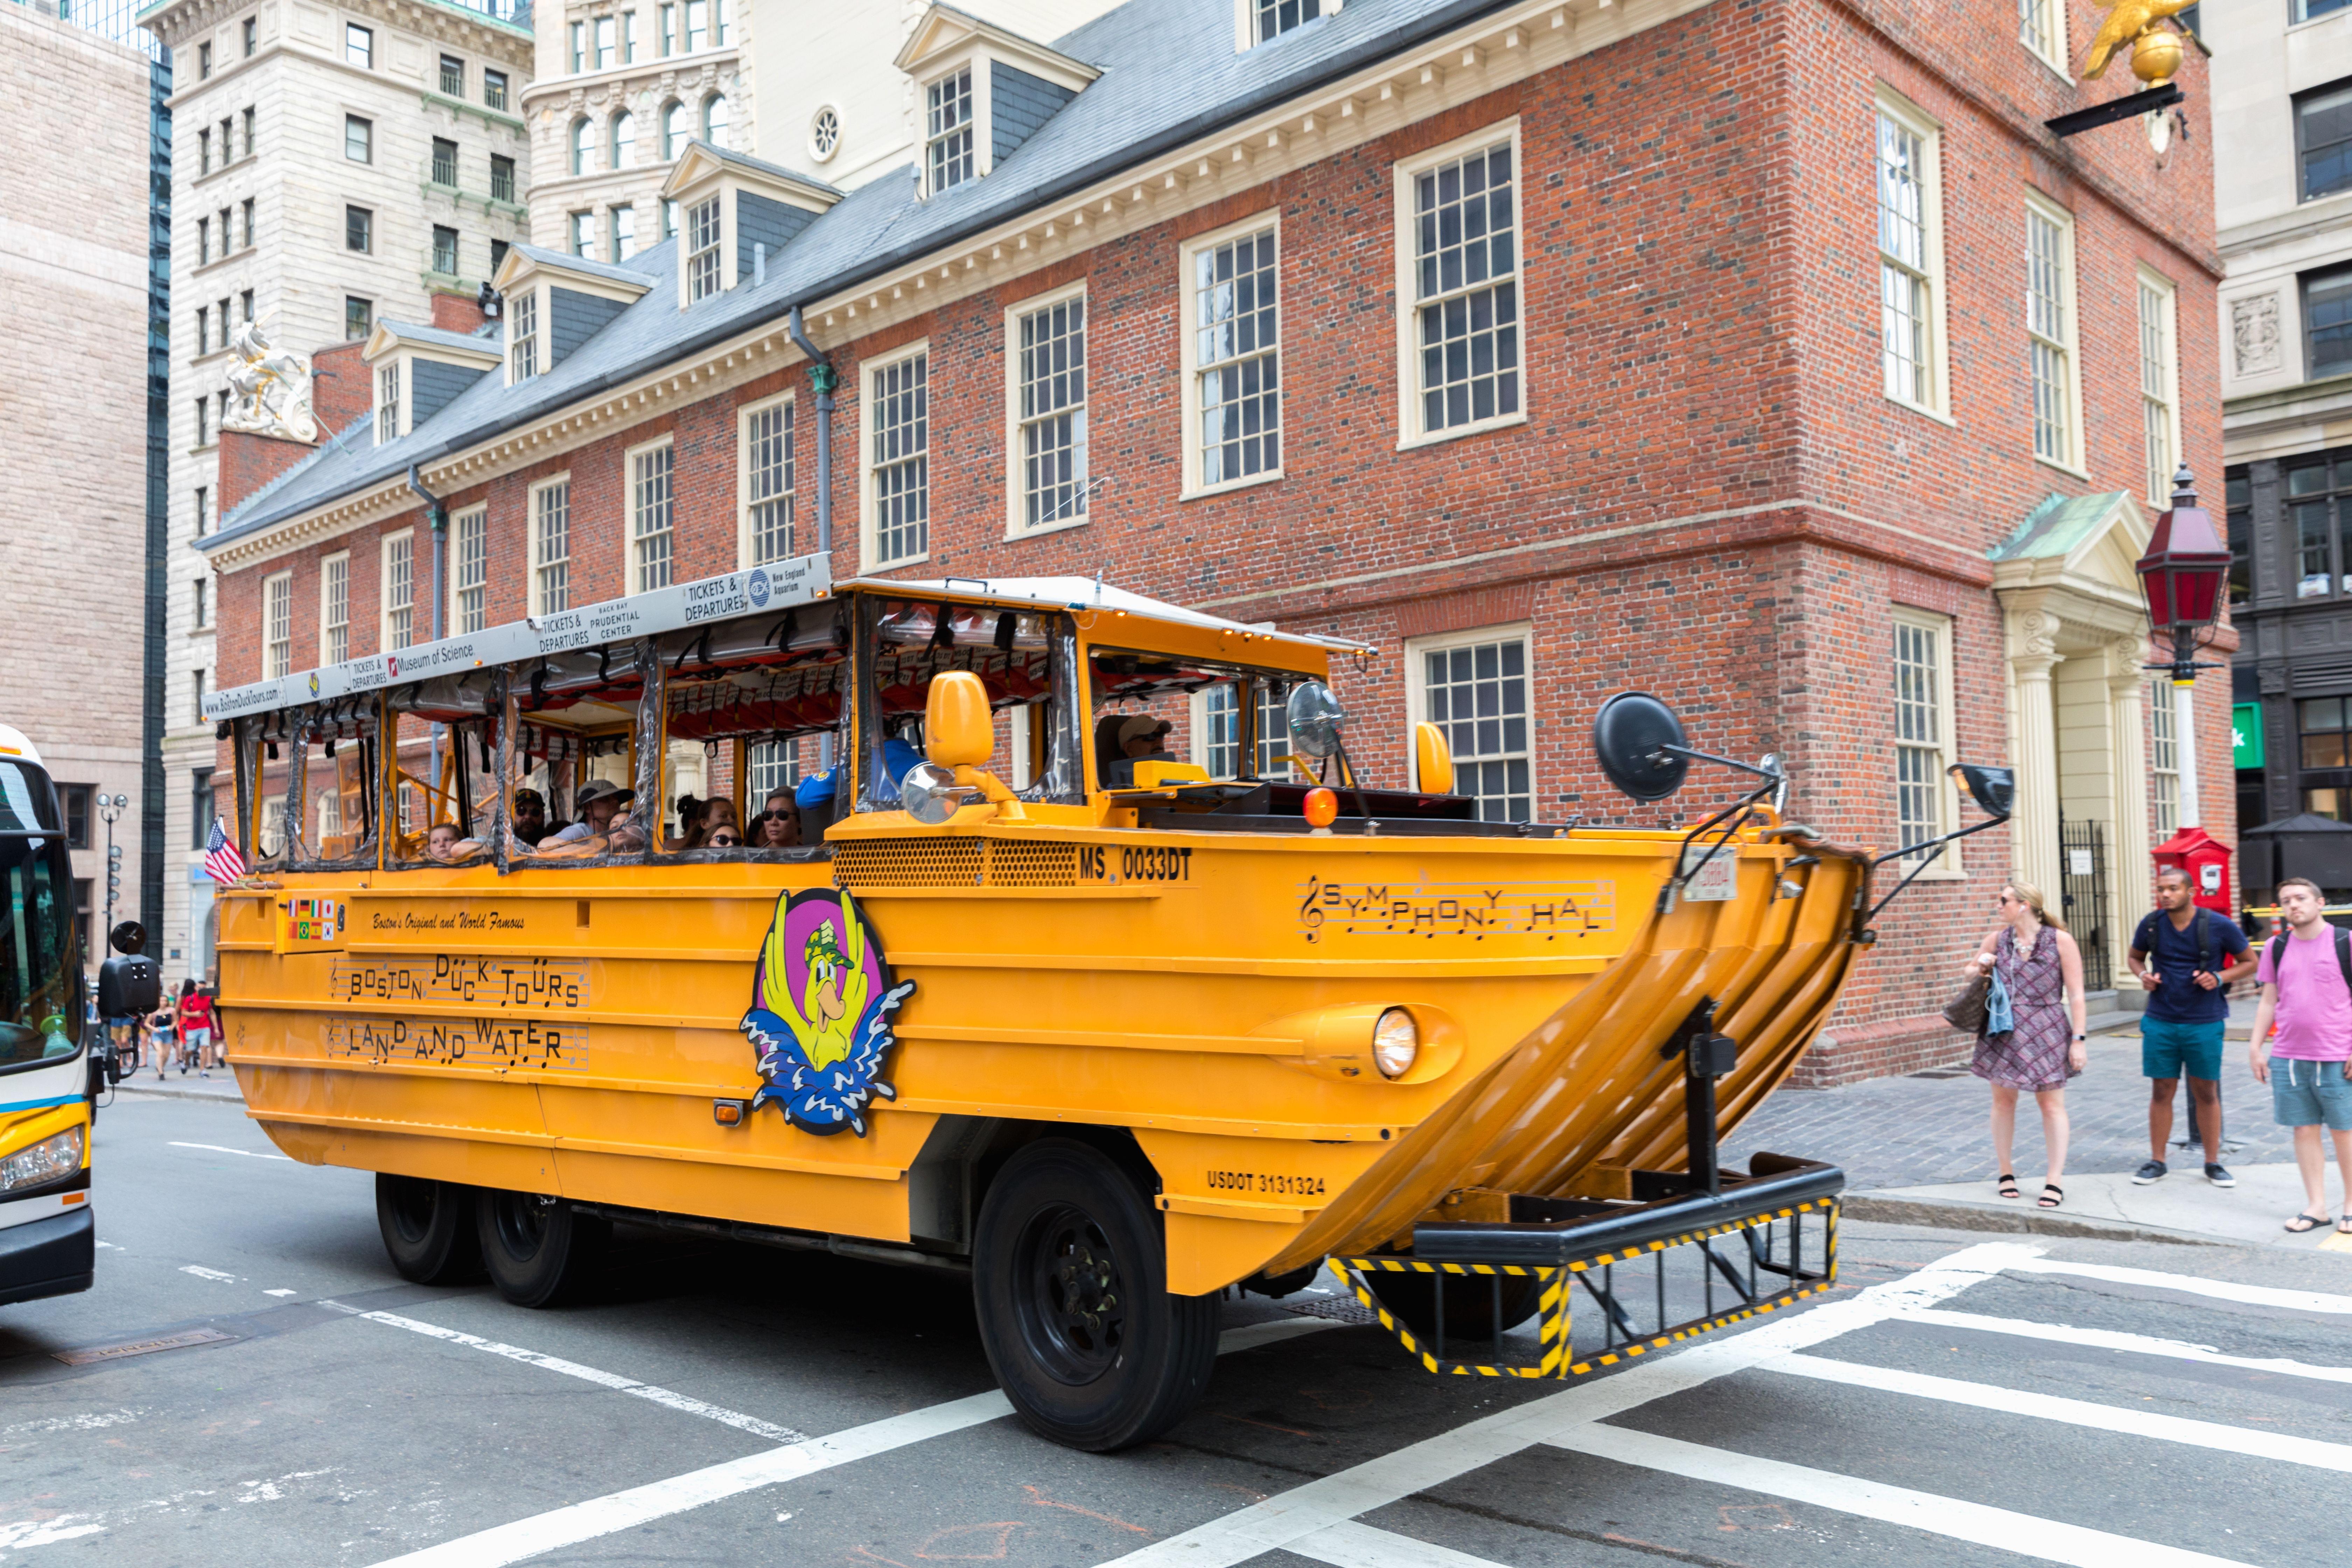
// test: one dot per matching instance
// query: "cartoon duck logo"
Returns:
(820, 1016)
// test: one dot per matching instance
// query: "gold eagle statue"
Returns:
(2126, 20)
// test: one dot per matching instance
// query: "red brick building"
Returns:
(1771, 356)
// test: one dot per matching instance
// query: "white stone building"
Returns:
(334, 165)
(73, 515)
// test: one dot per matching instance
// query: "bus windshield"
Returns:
(40, 1007)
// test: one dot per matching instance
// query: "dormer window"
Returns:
(387, 404)
(948, 130)
(702, 255)
(522, 337)
(1270, 19)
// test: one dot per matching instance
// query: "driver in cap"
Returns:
(1130, 740)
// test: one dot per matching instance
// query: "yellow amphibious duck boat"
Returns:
(1110, 1030)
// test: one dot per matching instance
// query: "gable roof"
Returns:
(1170, 76)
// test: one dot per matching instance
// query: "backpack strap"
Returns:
(2278, 958)
(2198, 918)
(2344, 954)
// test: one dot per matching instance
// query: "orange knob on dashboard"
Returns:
(1322, 808)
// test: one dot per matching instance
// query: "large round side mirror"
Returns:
(931, 794)
(1631, 737)
(127, 937)
(1315, 717)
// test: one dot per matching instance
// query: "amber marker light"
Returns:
(1322, 809)
(727, 1112)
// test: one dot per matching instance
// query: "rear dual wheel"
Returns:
(539, 1250)
(428, 1228)
(1069, 1275)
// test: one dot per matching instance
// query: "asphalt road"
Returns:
(1954, 1401)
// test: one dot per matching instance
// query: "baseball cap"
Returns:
(1140, 726)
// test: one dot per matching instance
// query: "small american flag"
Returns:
(222, 862)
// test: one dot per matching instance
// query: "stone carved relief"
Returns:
(269, 392)
(2254, 334)
(2034, 635)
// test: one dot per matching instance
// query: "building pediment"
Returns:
(2084, 547)
(389, 338)
(702, 164)
(527, 266)
(945, 32)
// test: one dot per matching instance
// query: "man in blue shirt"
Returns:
(898, 755)
(2196, 953)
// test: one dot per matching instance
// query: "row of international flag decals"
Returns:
(1553, 1302)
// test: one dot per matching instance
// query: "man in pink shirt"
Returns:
(2307, 980)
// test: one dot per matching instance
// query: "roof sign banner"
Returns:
(778, 585)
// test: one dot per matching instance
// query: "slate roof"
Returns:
(1170, 75)
(419, 332)
(634, 277)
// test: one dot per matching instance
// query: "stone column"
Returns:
(2032, 637)
(2135, 866)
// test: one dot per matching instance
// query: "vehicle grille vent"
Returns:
(1032, 864)
(906, 863)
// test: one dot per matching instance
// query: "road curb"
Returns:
(1949, 1214)
(176, 1092)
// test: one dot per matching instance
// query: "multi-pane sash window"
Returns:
(359, 46)
(1052, 386)
(453, 76)
(583, 232)
(1465, 287)
(494, 89)
(673, 131)
(358, 315)
(625, 140)
(1275, 17)
(550, 548)
(2156, 387)
(204, 240)
(1236, 358)
(2239, 497)
(245, 212)
(245, 121)
(1906, 320)
(522, 336)
(697, 25)
(359, 139)
(203, 493)
(1221, 733)
(578, 36)
(768, 482)
(702, 273)
(1476, 692)
(900, 404)
(773, 765)
(502, 178)
(665, 30)
(649, 518)
(2322, 134)
(582, 135)
(204, 153)
(2319, 512)
(278, 625)
(399, 591)
(335, 609)
(2163, 759)
(358, 229)
(2040, 25)
(470, 553)
(444, 162)
(628, 37)
(624, 232)
(714, 119)
(444, 250)
(604, 39)
(948, 130)
(2049, 323)
(387, 404)
(1920, 729)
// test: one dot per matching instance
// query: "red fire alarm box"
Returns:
(2207, 860)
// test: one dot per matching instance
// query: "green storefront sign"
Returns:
(2246, 734)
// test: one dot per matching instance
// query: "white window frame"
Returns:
(2068, 345)
(2163, 759)
(473, 519)
(391, 406)
(1194, 449)
(523, 318)
(1907, 115)
(1246, 20)
(2042, 29)
(747, 530)
(974, 123)
(391, 547)
(869, 494)
(621, 225)
(277, 624)
(1016, 492)
(541, 561)
(633, 546)
(703, 270)
(1262, 765)
(364, 39)
(1944, 864)
(2161, 400)
(1416, 650)
(335, 607)
(1409, 433)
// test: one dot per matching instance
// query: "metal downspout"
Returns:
(824, 378)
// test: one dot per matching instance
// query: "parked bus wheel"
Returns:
(428, 1228)
(1469, 1303)
(539, 1250)
(1069, 1275)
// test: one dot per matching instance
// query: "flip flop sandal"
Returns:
(2303, 1223)
(2007, 1185)
(2344, 1225)
(2046, 1201)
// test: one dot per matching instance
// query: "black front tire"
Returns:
(1070, 1278)
(539, 1250)
(428, 1228)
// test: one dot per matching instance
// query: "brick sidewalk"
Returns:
(1911, 1131)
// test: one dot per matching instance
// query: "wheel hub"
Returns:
(1078, 1310)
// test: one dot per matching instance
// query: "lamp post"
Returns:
(2181, 576)
(110, 808)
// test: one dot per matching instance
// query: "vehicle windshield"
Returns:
(40, 1011)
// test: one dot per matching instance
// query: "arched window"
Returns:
(673, 130)
(625, 140)
(714, 119)
(580, 145)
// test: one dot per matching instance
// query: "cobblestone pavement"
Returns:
(1911, 1131)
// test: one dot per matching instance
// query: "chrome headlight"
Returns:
(1396, 1041)
(50, 1160)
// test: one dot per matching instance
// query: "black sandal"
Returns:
(2303, 1223)
(2045, 1200)
(2007, 1185)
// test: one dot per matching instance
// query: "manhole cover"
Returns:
(142, 1347)
(1338, 1308)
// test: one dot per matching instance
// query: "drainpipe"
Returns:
(824, 378)
(437, 516)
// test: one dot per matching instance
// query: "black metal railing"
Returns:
(2083, 889)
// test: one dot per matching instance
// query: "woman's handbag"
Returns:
(1966, 1012)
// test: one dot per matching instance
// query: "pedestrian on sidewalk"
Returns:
(2306, 979)
(196, 1026)
(2197, 954)
(2035, 1036)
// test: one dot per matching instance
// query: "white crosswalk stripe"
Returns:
(2194, 1285)
(2117, 1340)
(1353, 1545)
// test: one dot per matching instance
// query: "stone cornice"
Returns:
(638, 76)
(178, 22)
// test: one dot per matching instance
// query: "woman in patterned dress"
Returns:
(2038, 962)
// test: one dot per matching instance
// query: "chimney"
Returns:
(457, 312)
(341, 388)
(248, 461)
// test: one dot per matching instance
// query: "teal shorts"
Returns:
(2168, 1048)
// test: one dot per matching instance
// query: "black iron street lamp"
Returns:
(2181, 576)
